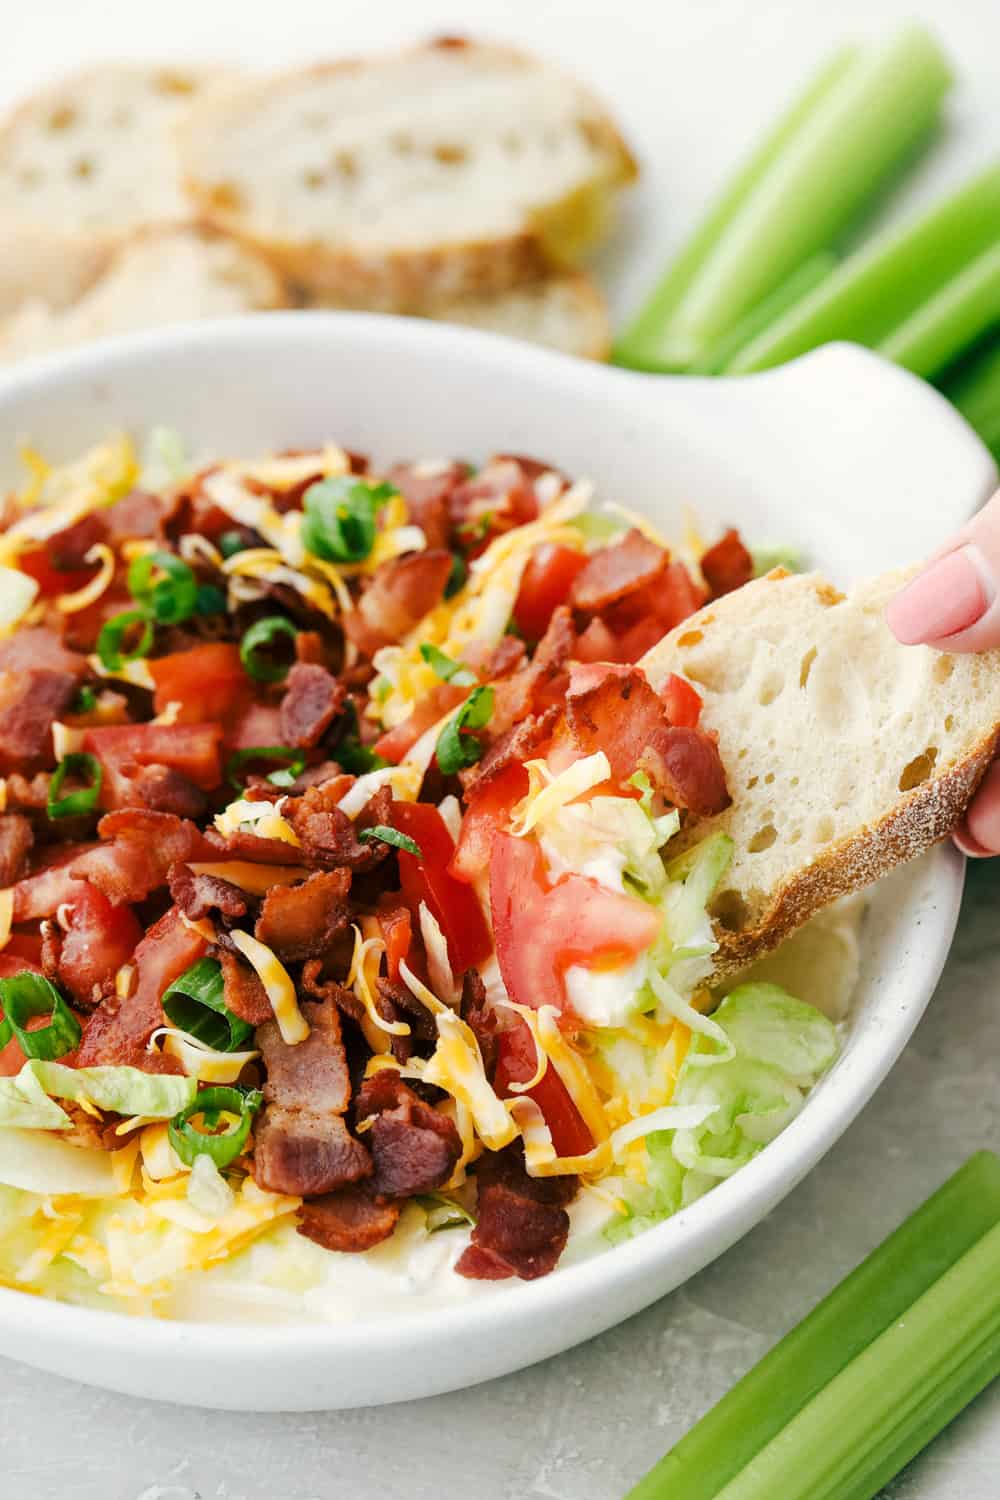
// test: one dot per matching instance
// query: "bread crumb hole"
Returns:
(313, 179)
(450, 155)
(769, 779)
(174, 83)
(794, 836)
(83, 167)
(62, 118)
(918, 770)
(943, 668)
(794, 781)
(752, 783)
(763, 839)
(402, 144)
(805, 666)
(949, 724)
(690, 638)
(770, 688)
(823, 831)
(346, 163)
(730, 911)
(743, 753)
(226, 197)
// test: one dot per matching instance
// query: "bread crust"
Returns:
(407, 280)
(921, 819)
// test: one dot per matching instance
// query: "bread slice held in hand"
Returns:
(845, 752)
(93, 155)
(157, 277)
(442, 171)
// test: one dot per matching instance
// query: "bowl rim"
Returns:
(715, 1220)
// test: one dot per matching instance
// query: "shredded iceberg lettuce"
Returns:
(779, 1048)
(26, 1102)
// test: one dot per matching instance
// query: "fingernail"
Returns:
(949, 596)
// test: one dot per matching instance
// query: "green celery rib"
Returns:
(639, 345)
(875, 290)
(891, 1400)
(974, 387)
(953, 319)
(810, 274)
(899, 1272)
(856, 137)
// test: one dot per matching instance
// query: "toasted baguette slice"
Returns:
(159, 276)
(93, 154)
(392, 181)
(564, 311)
(53, 268)
(846, 753)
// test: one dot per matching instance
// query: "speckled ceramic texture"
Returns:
(858, 464)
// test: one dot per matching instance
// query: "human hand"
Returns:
(953, 605)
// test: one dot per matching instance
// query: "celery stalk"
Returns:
(639, 345)
(857, 1312)
(873, 291)
(951, 321)
(791, 291)
(892, 1399)
(859, 132)
(974, 387)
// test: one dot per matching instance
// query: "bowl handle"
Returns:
(879, 449)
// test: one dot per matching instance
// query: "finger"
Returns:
(979, 832)
(954, 603)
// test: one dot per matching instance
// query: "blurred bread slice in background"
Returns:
(93, 154)
(410, 179)
(564, 311)
(158, 276)
(38, 264)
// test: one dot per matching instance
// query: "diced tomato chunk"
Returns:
(191, 749)
(208, 682)
(253, 724)
(540, 930)
(397, 934)
(487, 814)
(516, 1063)
(53, 581)
(454, 906)
(545, 584)
(397, 742)
(682, 703)
(98, 940)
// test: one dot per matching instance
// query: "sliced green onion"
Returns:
(457, 576)
(296, 764)
(339, 520)
(196, 1003)
(871, 1375)
(456, 746)
(391, 836)
(349, 753)
(446, 668)
(231, 542)
(443, 1212)
(864, 117)
(85, 701)
(810, 274)
(77, 763)
(881, 286)
(26, 996)
(225, 1147)
(111, 646)
(170, 598)
(263, 635)
(210, 600)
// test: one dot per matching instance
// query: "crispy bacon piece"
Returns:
(40, 649)
(242, 990)
(98, 939)
(498, 498)
(118, 1031)
(414, 1147)
(518, 744)
(401, 592)
(41, 893)
(540, 684)
(481, 1019)
(394, 1002)
(616, 710)
(523, 1224)
(29, 703)
(162, 789)
(686, 767)
(190, 750)
(302, 1145)
(141, 846)
(350, 1220)
(327, 834)
(728, 565)
(28, 795)
(302, 921)
(241, 845)
(617, 570)
(137, 514)
(427, 488)
(313, 699)
(16, 839)
(199, 896)
(321, 987)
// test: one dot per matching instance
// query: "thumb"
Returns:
(954, 602)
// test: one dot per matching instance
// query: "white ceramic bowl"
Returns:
(839, 453)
